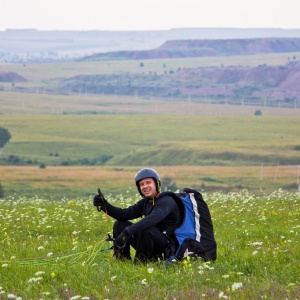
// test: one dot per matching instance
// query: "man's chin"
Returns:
(148, 195)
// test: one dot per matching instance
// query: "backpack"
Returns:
(195, 235)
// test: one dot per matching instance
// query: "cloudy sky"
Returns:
(147, 14)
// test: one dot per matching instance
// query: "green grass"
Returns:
(155, 139)
(52, 250)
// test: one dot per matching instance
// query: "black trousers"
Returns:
(149, 244)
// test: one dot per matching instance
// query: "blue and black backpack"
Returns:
(195, 235)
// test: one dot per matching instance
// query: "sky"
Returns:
(148, 14)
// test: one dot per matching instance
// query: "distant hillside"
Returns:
(11, 77)
(200, 48)
(235, 82)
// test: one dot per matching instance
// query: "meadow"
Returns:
(57, 250)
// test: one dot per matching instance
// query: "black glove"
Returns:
(100, 202)
(122, 239)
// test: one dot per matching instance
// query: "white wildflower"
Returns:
(236, 285)
(254, 252)
(222, 295)
(34, 279)
(75, 297)
(144, 281)
(256, 244)
(4, 265)
(39, 273)
(150, 270)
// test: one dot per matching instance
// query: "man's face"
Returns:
(148, 187)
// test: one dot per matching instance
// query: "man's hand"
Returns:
(100, 202)
(122, 239)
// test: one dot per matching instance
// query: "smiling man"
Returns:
(147, 236)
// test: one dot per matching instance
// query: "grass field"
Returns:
(269, 144)
(56, 250)
(71, 182)
(128, 138)
(40, 103)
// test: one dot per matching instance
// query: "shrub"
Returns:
(258, 112)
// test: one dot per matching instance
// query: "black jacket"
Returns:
(163, 214)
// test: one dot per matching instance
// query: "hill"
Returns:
(200, 48)
(262, 83)
(11, 77)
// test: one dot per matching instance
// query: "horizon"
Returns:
(145, 30)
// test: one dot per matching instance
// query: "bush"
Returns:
(258, 112)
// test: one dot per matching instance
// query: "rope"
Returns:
(74, 258)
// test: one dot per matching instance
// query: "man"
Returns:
(147, 236)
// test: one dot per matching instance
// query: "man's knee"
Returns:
(119, 226)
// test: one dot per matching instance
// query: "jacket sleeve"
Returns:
(161, 210)
(124, 214)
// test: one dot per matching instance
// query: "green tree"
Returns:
(4, 138)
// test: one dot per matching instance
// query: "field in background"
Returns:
(45, 76)
(43, 80)
(225, 146)
(41, 103)
(83, 181)
(115, 132)
(154, 139)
